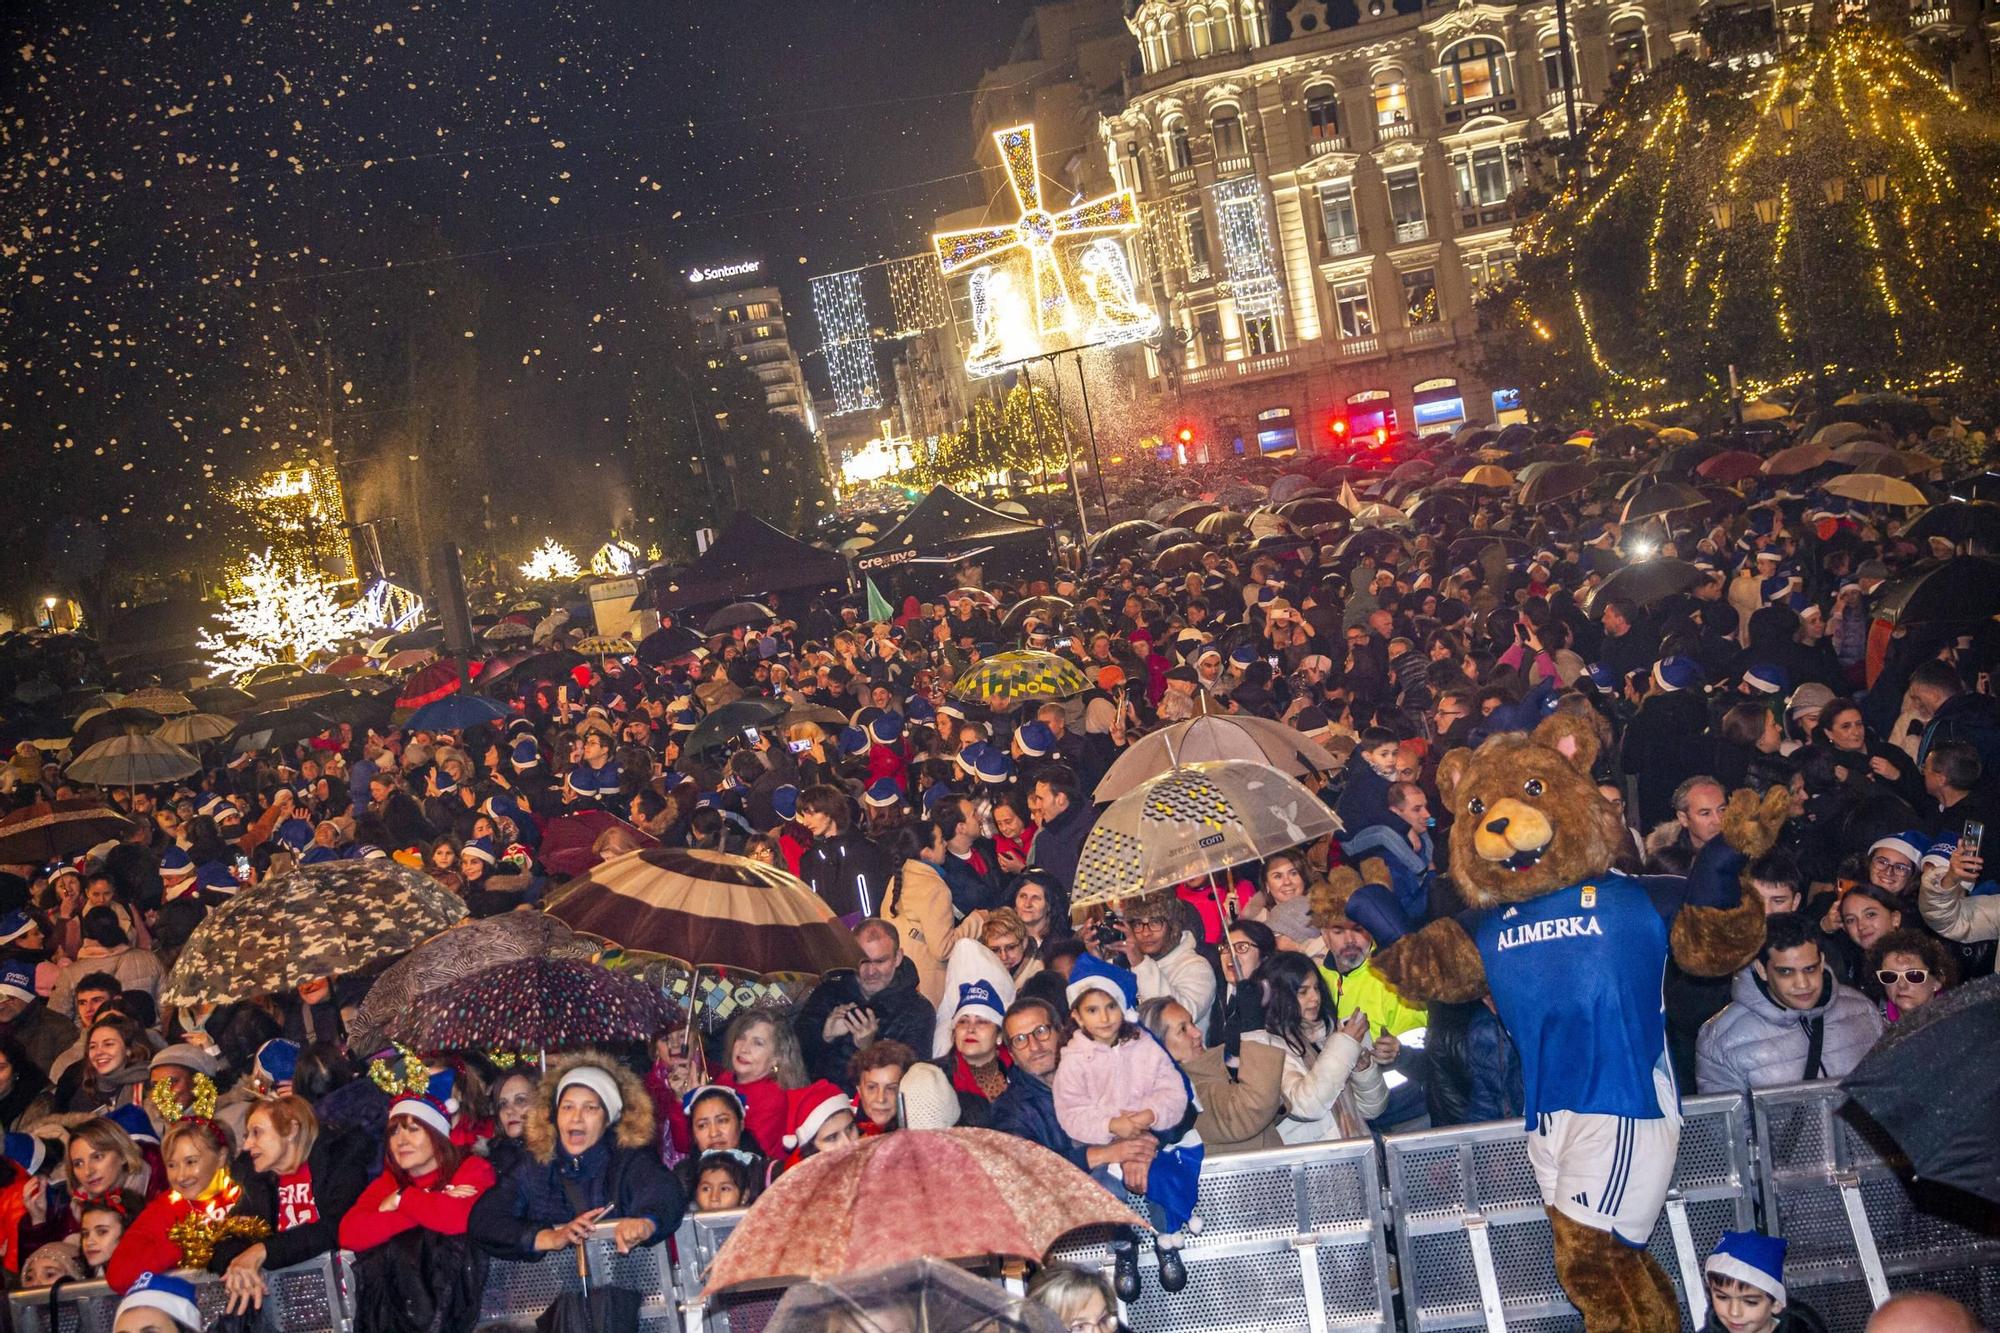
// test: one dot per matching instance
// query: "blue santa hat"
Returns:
(17, 980)
(213, 806)
(968, 758)
(1752, 1258)
(1767, 678)
(171, 1296)
(683, 719)
(526, 754)
(1676, 673)
(1775, 589)
(1242, 655)
(952, 709)
(133, 1120)
(481, 849)
(14, 925)
(1910, 845)
(174, 863)
(920, 712)
(979, 999)
(277, 1060)
(994, 766)
(882, 793)
(28, 1152)
(433, 1107)
(1036, 739)
(785, 802)
(520, 726)
(217, 878)
(935, 793)
(886, 729)
(1602, 676)
(853, 740)
(294, 833)
(1090, 973)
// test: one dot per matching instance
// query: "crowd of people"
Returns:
(251, 1136)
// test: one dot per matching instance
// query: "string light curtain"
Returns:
(1247, 256)
(916, 290)
(841, 306)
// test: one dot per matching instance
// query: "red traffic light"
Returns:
(1185, 435)
(1337, 426)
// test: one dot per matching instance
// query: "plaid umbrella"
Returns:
(50, 830)
(466, 950)
(316, 921)
(706, 908)
(1021, 675)
(535, 1004)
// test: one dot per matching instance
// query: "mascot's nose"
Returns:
(1497, 826)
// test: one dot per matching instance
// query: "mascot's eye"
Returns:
(1533, 787)
(1476, 806)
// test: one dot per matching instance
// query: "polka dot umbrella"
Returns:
(536, 1004)
(1021, 675)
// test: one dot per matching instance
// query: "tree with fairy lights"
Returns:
(1827, 222)
(278, 612)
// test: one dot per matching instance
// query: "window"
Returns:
(1486, 178)
(1420, 297)
(1260, 335)
(1337, 218)
(1179, 156)
(757, 310)
(762, 333)
(1487, 269)
(1194, 228)
(1406, 204)
(1199, 36)
(1227, 128)
(1392, 98)
(1628, 45)
(1322, 114)
(1351, 308)
(1208, 336)
(1474, 73)
(1557, 73)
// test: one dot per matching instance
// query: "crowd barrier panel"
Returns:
(1473, 1241)
(312, 1297)
(739, 1310)
(1840, 1192)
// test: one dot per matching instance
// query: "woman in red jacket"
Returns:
(179, 1228)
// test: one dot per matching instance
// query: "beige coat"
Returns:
(1240, 1114)
(923, 916)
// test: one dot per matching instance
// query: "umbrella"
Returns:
(1441, 507)
(1558, 480)
(270, 673)
(121, 721)
(827, 719)
(1974, 522)
(1167, 538)
(1122, 538)
(132, 761)
(980, 595)
(738, 613)
(570, 843)
(1190, 514)
(606, 645)
(1487, 474)
(1874, 488)
(1964, 588)
(506, 631)
(316, 921)
(1315, 510)
(1021, 675)
(920, 1294)
(1469, 547)
(1799, 458)
(455, 712)
(1945, 1125)
(1735, 465)
(1193, 821)
(1381, 516)
(955, 1194)
(1369, 541)
(1758, 410)
(469, 948)
(279, 727)
(730, 721)
(534, 1004)
(1240, 493)
(351, 665)
(409, 659)
(1056, 609)
(546, 627)
(157, 699)
(556, 665)
(425, 636)
(707, 908)
(1841, 432)
(1985, 486)
(1174, 559)
(1676, 435)
(1667, 497)
(222, 699)
(667, 643)
(296, 688)
(50, 830)
(1646, 582)
(195, 728)
(1222, 523)
(1417, 469)
(1233, 736)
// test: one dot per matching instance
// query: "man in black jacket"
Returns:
(851, 1010)
(1059, 806)
(847, 871)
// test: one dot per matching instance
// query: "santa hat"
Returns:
(993, 766)
(1909, 845)
(175, 863)
(1676, 673)
(171, 1296)
(1090, 973)
(27, 1151)
(882, 793)
(1035, 739)
(970, 962)
(1752, 1258)
(526, 754)
(479, 849)
(723, 1090)
(1766, 678)
(808, 1109)
(277, 1060)
(981, 1000)
(433, 1107)
(886, 729)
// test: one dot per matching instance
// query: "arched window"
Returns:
(1322, 113)
(1227, 128)
(1179, 156)
(1392, 98)
(1200, 40)
(1628, 45)
(1557, 73)
(1474, 71)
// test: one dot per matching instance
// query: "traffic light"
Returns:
(1337, 428)
(1185, 435)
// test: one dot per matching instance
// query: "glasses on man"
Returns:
(1039, 1032)
(1915, 976)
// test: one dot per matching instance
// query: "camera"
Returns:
(1109, 933)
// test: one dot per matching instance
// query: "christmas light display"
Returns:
(550, 563)
(302, 509)
(1047, 282)
(1247, 259)
(387, 606)
(841, 307)
(279, 613)
(917, 293)
(615, 559)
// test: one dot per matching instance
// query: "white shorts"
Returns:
(1608, 1172)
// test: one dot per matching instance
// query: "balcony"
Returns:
(1249, 367)
(1352, 349)
(1420, 335)
(1554, 97)
(1406, 232)
(1181, 177)
(1490, 106)
(1472, 215)
(1335, 247)
(1329, 143)
(1396, 129)
(1240, 165)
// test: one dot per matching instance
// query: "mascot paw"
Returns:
(1751, 823)
(1375, 871)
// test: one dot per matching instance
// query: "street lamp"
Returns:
(1767, 211)
(1724, 213)
(1834, 189)
(1874, 187)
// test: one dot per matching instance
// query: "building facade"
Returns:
(739, 315)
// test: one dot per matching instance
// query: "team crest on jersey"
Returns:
(1589, 895)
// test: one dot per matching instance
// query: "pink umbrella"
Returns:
(946, 1193)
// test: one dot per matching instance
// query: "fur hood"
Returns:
(634, 1127)
(1663, 836)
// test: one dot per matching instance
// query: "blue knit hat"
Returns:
(1676, 673)
(171, 1296)
(1036, 739)
(1752, 1258)
(882, 793)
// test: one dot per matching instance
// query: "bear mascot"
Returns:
(1574, 956)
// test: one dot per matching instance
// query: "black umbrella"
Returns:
(1646, 582)
(738, 613)
(1367, 541)
(1945, 1123)
(1189, 515)
(304, 685)
(730, 721)
(362, 707)
(1559, 480)
(1985, 486)
(281, 726)
(1123, 538)
(665, 644)
(114, 722)
(1187, 555)
(1471, 544)
(1667, 497)
(222, 699)
(1167, 538)
(1314, 510)
(1962, 589)
(1514, 436)
(1442, 507)
(1622, 438)
(1974, 522)
(426, 636)
(556, 664)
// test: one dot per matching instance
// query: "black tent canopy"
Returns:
(921, 554)
(750, 559)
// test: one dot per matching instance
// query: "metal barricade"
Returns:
(1291, 1238)
(737, 1311)
(1837, 1188)
(1473, 1242)
(518, 1292)
(312, 1297)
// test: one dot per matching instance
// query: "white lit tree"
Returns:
(551, 561)
(279, 613)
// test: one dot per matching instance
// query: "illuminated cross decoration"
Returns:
(1037, 229)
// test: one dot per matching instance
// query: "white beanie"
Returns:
(926, 1099)
(599, 1081)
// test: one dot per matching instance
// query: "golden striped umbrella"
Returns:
(47, 830)
(1023, 674)
(606, 645)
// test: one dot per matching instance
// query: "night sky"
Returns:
(225, 223)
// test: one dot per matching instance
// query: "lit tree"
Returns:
(551, 562)
(1831, 219)
(278, 613)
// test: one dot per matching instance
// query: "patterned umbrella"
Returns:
(409, 659)
(606, 645)
(160, 700)
(466, 950)
(1234, 736)
(312, 922)
(1021, 675)
(195, 728)
(706, 908)
(506, 631)
(535, 1004)
(947, 1193)
(1191, 821)
(50, 830)
(132, 761)
(434, 682)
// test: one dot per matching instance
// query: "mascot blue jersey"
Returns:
(1576, 976)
